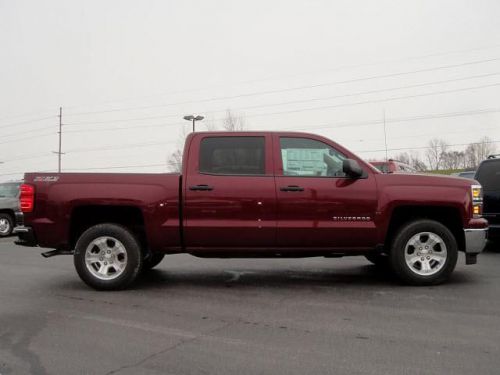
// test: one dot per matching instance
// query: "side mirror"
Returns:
(351, 168)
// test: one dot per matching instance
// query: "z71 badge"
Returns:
(46, 179)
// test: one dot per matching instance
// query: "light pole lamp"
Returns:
(194, 119)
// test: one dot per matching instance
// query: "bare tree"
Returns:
(435, 152)
(174, 162)
(403, 157)
(233, 123)
(478, 151)
(210, 123)
(412, 159)
(453, 160)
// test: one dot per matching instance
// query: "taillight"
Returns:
(27, 198)
(477, 200)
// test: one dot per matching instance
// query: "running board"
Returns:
(53, 253)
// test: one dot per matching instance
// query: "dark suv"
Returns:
(488, 174)
(10, 212)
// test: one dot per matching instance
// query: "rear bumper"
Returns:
(25, 236)
(19, 218)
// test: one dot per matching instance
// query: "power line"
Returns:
(427, 147)
(267, 92)
(375, 101)
(26, 122)
(26, 138)
(372, 101)
(279, 104)
(281, 77)
(339, 68)
(332, 126)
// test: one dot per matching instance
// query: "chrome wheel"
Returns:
(4, 226)
(425, 253)
(106, 258)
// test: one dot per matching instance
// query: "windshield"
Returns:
(9, 190)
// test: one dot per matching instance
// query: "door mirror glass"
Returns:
(351, 168)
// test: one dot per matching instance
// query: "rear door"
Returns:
(229, 192)
(318, 206)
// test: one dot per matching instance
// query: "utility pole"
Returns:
(59, 153)
(385, 139)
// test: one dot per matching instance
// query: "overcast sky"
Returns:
(125, 72)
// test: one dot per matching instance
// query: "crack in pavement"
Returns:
(18, 339)
(172, 347)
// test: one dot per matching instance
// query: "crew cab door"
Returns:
(229, 192)
(318, 206)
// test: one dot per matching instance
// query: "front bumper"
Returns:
(25, 235)
(475, 242)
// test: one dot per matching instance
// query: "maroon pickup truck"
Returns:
(254, 194)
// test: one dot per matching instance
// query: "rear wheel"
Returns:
(6, 225)
(108, 257)
(424, 252)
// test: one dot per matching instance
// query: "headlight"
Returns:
(477, 200)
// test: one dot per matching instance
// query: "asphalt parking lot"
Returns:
(198, 316)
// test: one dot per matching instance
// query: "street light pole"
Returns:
(194, 119)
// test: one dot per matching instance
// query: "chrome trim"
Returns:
(475, 240)
(21, 229)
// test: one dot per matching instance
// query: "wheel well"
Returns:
(85, 217)
(10, 213)
(448, 216)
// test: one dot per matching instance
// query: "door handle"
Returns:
(292, 188)
(201, 187)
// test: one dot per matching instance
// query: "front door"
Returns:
(229, 193)
(318, 206)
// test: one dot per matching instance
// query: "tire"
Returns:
(424, 252)
(108, 257)
(380, 260)
(6, 225)
(152, 261)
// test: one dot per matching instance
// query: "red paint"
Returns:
(247, 214)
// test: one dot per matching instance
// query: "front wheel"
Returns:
(424, 252)
(108, 257)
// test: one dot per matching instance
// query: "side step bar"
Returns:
(53, 253)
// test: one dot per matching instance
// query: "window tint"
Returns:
(232, 155)
(307, 157)
(488, 175)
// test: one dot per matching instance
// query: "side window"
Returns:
(307, 157)
(488, 175)
(232, 155)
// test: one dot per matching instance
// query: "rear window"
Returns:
(488, 175)
(232, 155)
(384, 168)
